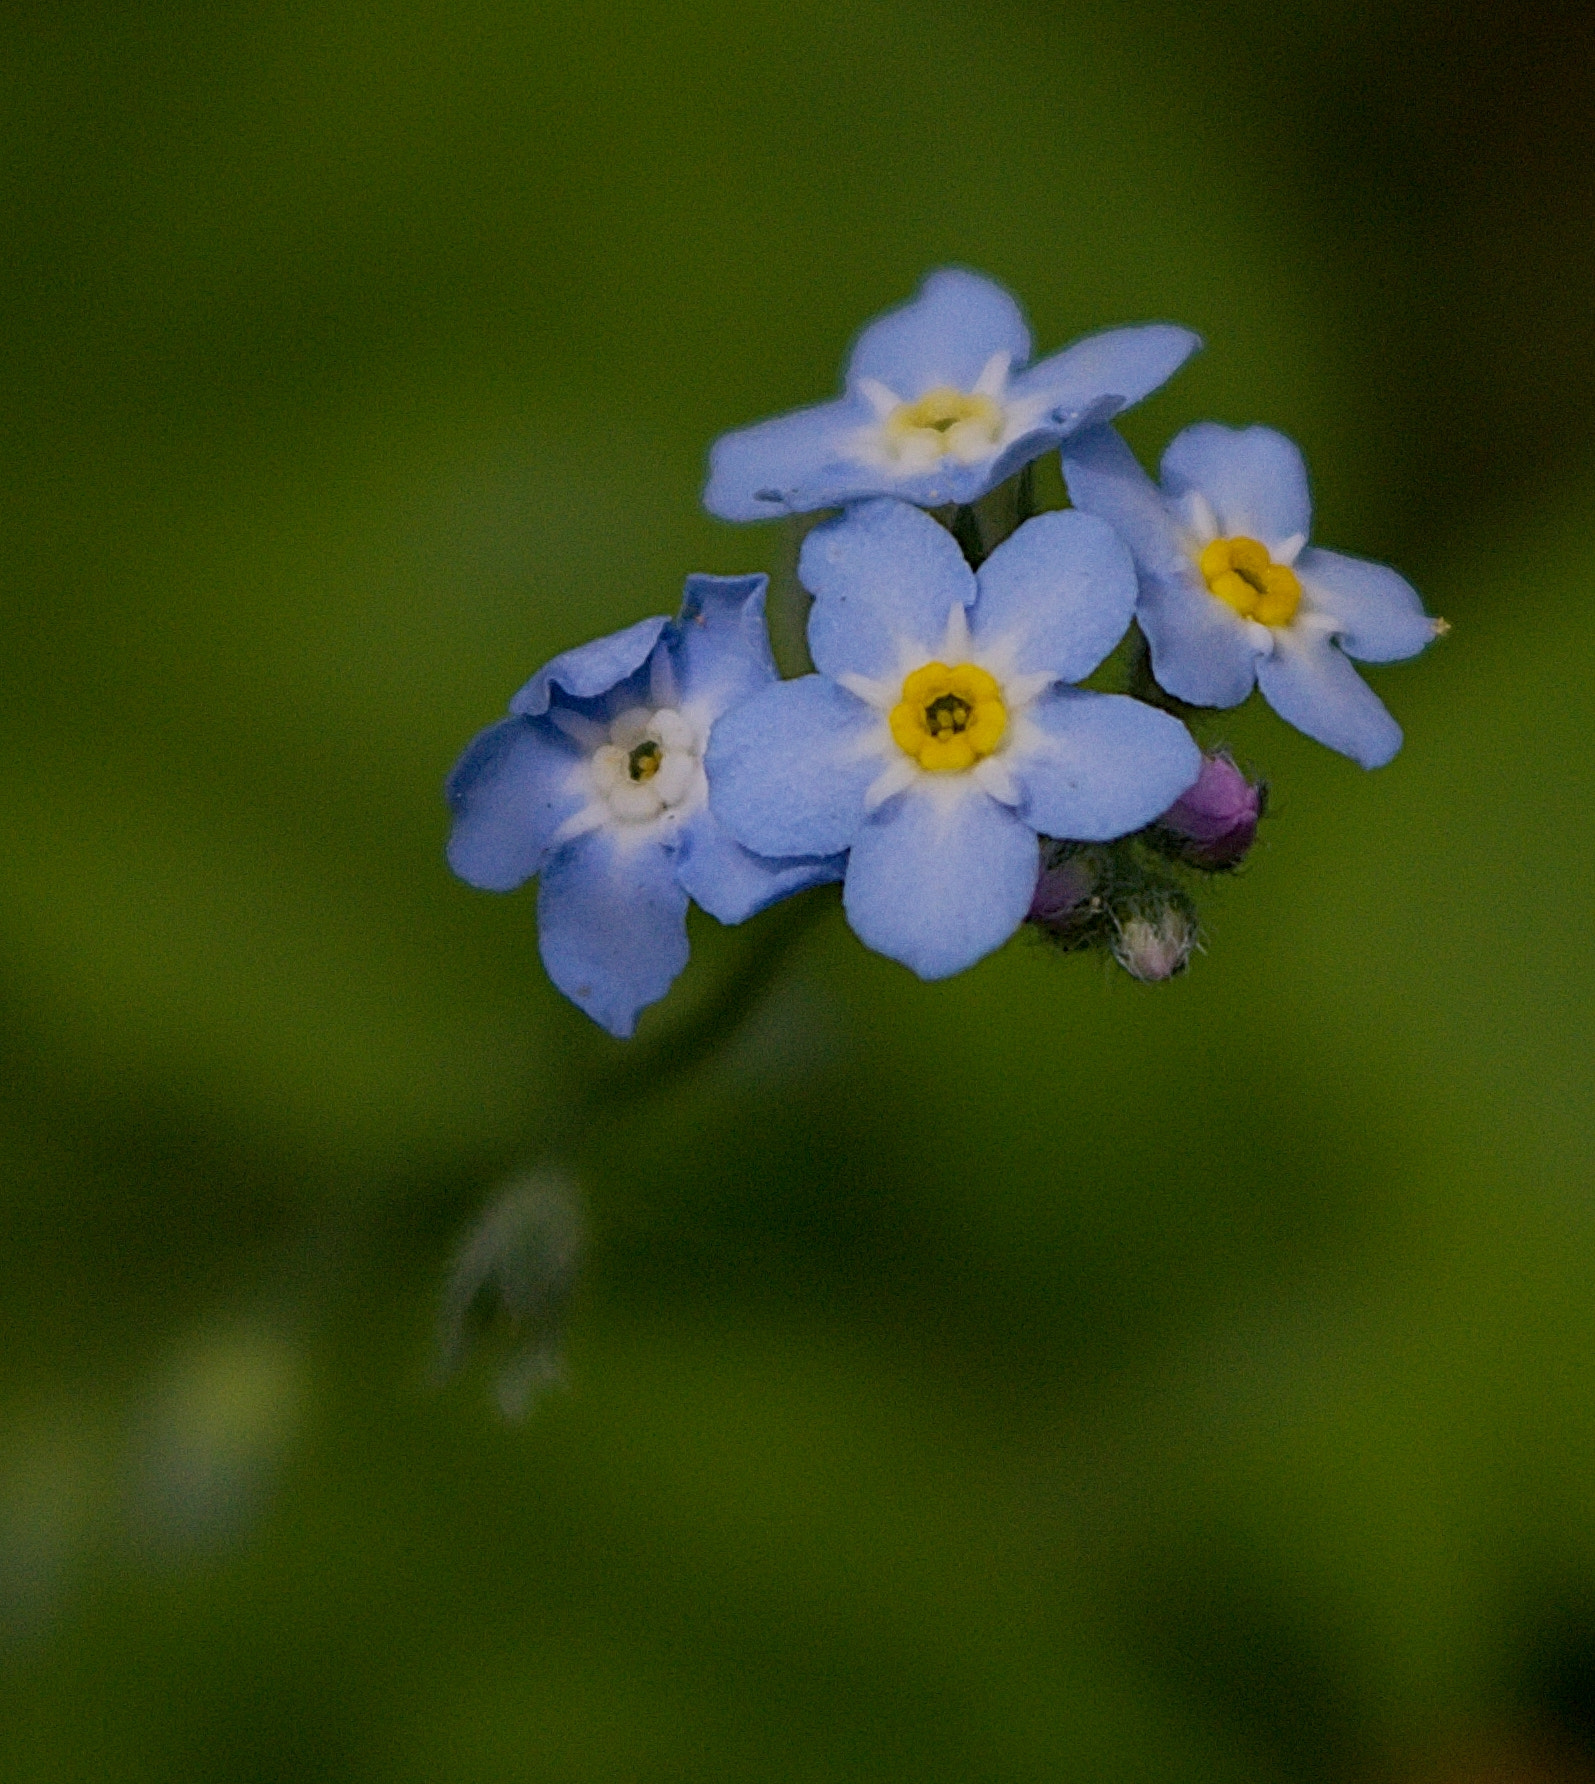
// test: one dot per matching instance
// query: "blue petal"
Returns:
(720, 648)
(612, 926)
(1107, 765)
(1059, 593)
(1201, 650)
(943, 337)
(936, 487)
(790, 464)
(1380, 617)
(1312, 686)
(826, 480)
(590, 669)
(788, 769)
(509, 793)
(1105, 478)
(940, 877)
(803, 461)
(883, 575)
(1106, 372)
(1253, 478)
(731, 882)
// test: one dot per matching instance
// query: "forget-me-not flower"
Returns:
(596, 782)
(940, 734)
(939, 407)
(1232, 595)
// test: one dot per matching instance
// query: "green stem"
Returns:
(665, 1058)
(1143, 685)
(964, 525)
(980, 527)
(317, 1265)
(1024, 495)
(787, 607)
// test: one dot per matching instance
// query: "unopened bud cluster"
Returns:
(1132, 898)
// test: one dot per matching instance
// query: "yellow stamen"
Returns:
(962, 423)
(947, 719)
(1241, 574)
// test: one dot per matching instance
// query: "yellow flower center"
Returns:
(960, 423)
(947, 718)
(1243, 576)
(642, 763)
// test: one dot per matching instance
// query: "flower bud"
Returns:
(510, 1286)
(1152, 949)
(1062, 894)
(1214, 822)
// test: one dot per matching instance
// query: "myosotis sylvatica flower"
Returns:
(941, 759)
(595, 782)
(941, 734)
(940, 405)
(1232, 594)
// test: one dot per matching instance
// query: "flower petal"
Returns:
(1055, 597)
(1379, 615)
(884, 577)
(1107, 371)
(788, 769)
(1202, 651)
(1253, 478)
(1098, 766)
(944, 483)
(510, 791)
(731, 882)
(789, 464)
(1105, 478)
(1312, 686)
(612, 926)
(720, 648)
(940, 877)
(590, 669)
(944, 336)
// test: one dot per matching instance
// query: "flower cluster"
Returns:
(941, 760)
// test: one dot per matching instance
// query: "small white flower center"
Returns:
(650, 764)
(965, 426)
(944, 423)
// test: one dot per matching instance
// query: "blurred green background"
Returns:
(1033, 1376)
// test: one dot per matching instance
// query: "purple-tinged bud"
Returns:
(1215, 821)
(1154, 949)
(1062, 894)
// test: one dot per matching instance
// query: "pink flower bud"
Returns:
(1061, 893)
(1215, 820)
(1153, 950)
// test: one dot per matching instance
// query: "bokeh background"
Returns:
(1033, 1376)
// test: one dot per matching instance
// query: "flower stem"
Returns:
(1141, 684)
(787, 608)
(666, 1057)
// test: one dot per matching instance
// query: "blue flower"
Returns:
(1230, 593)
(939, 736)
(596, 783)
(939, 407)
